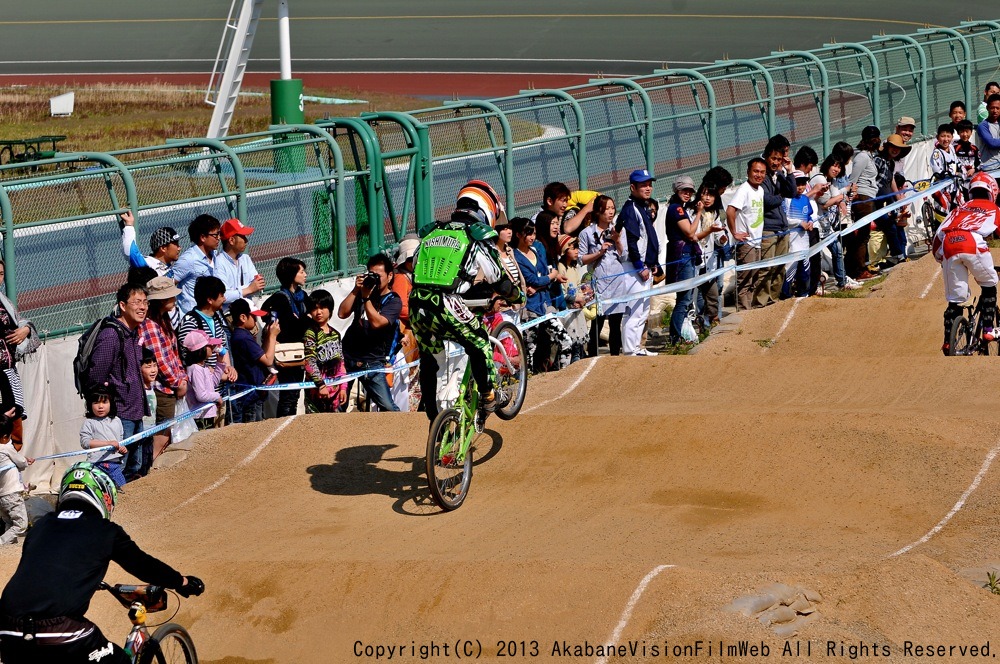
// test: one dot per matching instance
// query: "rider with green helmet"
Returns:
(65, 557)
(454, 259)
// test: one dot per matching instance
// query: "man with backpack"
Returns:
(110, 354)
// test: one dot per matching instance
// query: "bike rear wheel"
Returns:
(449, 477)
(959, 339)
(170, 644)
(513, 385)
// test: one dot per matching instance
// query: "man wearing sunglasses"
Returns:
(198, 260)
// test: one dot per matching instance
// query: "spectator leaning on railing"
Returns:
(546, 339)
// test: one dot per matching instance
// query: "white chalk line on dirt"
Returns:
(929, 286)
(959, 505)
(788, 319)
(632, 601)
(569, 389)
(246, 460)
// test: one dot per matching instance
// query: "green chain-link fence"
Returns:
(337, 191)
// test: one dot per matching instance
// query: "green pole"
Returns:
(8, 245)
(287, 109)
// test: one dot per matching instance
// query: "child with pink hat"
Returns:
(203, 380)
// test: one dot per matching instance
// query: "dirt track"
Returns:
(807, 462)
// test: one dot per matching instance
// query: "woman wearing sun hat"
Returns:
(157, 334)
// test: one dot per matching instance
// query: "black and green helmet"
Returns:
(86, 482)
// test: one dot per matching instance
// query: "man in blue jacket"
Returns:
(641, 261)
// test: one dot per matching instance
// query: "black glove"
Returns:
(194, 586)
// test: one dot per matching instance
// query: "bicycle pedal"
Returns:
(502, 399)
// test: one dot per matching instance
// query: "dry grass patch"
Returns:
(119, 116)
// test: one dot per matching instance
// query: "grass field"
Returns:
(113, 117)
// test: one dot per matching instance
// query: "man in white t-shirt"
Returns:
(745, 215)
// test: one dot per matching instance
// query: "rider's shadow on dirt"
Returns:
(361, 470)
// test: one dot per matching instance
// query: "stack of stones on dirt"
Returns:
(783, 608)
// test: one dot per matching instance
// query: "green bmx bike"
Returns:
(450, 442)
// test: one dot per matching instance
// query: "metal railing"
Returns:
(337, 191)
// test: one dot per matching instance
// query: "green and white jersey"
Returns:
(453, 256)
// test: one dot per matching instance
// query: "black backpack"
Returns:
(83, 362)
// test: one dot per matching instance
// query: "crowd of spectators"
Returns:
(189, 329)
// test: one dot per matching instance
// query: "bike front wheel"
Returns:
(170, 644)
(449, 472)
(959, 339)
(512, 384)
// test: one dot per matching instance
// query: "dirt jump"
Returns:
(813, 485)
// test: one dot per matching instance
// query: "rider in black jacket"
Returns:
(65, 557)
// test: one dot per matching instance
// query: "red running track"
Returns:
(419, 85)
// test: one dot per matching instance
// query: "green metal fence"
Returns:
(334, 192)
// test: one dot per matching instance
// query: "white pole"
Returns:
(284, 41)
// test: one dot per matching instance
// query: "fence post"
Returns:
(824, 99)
(712, 129)
(339, 207)
(507, 165)
(873, 92)
(423, 210)
(770, 118)
(920, 76)
(239, 180)
(647, 109)
(581, 126)
(10, 278)
(376, 223)
(965, 67)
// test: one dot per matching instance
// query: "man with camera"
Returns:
(369, 341)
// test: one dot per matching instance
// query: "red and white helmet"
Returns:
(482, 196)
(983, 180)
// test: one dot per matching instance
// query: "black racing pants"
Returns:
(92, 649)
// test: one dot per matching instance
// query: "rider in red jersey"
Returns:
(960, 247)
